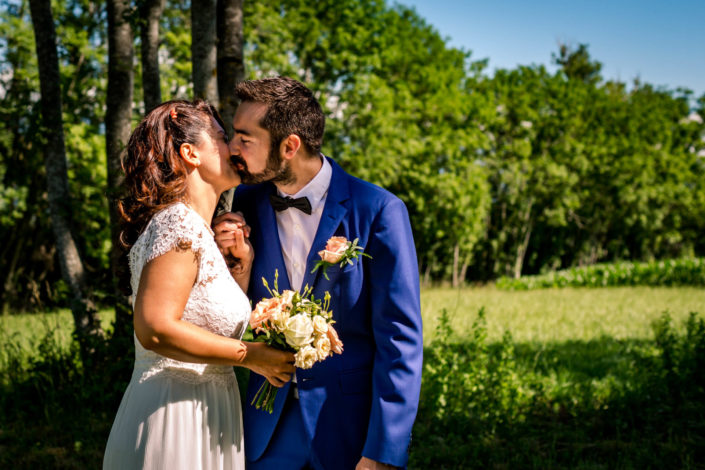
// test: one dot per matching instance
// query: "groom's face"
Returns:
(251, 150)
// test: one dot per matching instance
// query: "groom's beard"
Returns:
(276, 170)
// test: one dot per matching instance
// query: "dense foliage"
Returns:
(514, 172)
(602, 403)
(673, 272)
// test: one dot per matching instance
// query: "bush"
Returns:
(602, 403)
(680, 272)
(596, 404)
(56, 410)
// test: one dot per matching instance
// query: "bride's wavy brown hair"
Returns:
(155, 174)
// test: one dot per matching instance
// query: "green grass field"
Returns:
(21, 334)
(583, 382)
(539, 315)
(560, 314)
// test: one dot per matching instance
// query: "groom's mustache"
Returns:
(239, 163)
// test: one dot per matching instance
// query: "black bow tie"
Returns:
(282, 203)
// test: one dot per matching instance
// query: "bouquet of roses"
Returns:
(295, 322)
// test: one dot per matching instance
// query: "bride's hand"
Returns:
(273, 364)
(241, 248)
(232, 237)
(228, 228)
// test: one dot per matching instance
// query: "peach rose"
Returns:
(263, 312)
(320, 325)
(335, 344)
(335, 249)
(322, 345)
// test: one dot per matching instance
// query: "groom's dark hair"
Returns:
(291, 109)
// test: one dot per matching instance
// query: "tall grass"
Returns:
(570, 378)
(574, 404)
(21, 335)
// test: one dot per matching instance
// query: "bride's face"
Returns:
(216, 166)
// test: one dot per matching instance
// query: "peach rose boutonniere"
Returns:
(340, 251)
(296, 322)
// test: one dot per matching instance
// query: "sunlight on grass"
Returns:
(25, 331)
(560, 314)
(542, 315)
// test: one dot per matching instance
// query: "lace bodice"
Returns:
(216, 302)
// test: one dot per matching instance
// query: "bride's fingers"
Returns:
(227, 226)
(240, 248)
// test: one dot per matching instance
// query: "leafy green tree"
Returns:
(398, 114)
(31, 276)
(54, 149)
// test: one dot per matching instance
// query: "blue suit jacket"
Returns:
(364, 401)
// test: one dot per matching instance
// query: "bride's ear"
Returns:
(188, 153)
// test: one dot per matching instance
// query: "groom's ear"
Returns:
(289, 146)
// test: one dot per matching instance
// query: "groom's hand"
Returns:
(368, 464)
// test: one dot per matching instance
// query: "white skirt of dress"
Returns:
(167, 423)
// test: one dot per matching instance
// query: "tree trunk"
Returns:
(150, 14)
(118, 116)
(72, 271)
(427, 276)
(231, 70)
(456, 256)
(523, 246)
(464, 268)
(204, 50)
(231, 63)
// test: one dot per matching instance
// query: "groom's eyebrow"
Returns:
(242, 131)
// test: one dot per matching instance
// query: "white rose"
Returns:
(278, 320)
(287, 297)
(299, 330)
(320, 325)
(305, 357)
(322, 345)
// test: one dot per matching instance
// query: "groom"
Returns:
(354, 410)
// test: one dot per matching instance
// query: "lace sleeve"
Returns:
(175, 228)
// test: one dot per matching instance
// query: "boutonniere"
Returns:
(338, 250)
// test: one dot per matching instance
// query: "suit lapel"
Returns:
(334, 210)
(269, 256)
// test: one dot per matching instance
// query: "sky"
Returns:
(661, 42)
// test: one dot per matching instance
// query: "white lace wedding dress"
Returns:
(176, 415)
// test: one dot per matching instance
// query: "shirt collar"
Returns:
(317, 188)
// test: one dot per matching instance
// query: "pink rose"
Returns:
(335, 249)
(335, 344)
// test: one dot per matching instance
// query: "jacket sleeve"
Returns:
(396, 325)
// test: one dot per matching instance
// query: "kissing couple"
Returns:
(195, 273)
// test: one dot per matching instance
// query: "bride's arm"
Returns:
(165, 285)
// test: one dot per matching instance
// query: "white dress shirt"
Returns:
(297, 229)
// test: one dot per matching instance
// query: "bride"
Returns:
(181, 409)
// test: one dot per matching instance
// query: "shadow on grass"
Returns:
(606, 403)
(602, 404)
